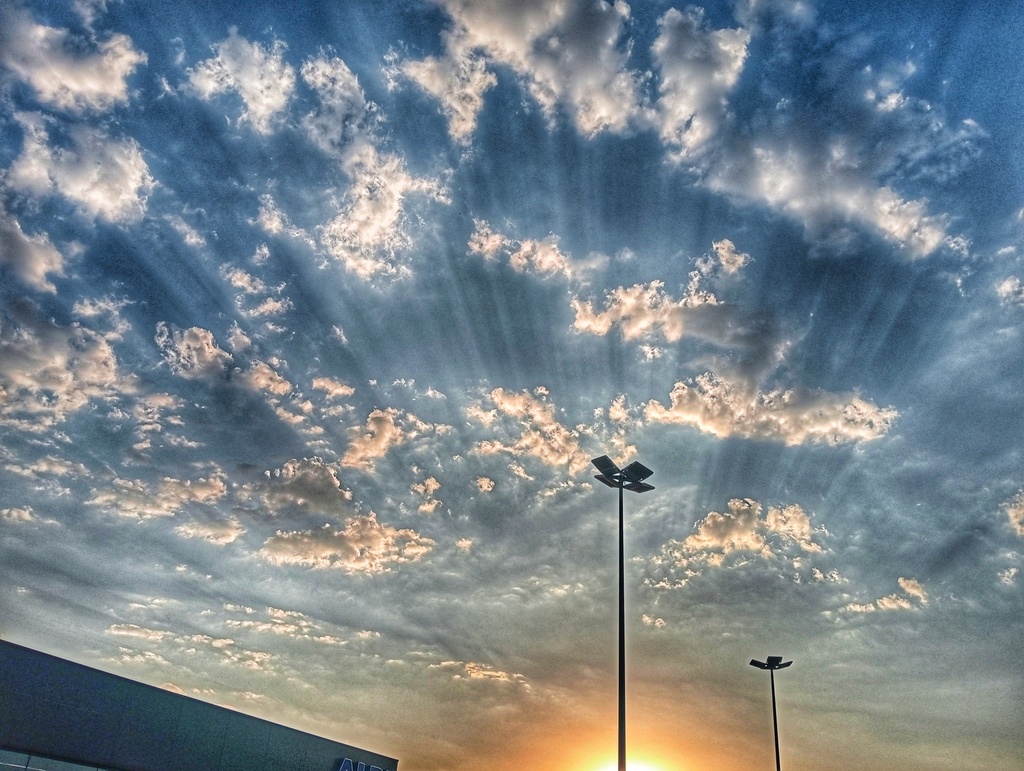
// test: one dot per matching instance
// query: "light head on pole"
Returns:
(630, 478)
(773, 663)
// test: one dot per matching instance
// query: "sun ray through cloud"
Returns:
(313, 316)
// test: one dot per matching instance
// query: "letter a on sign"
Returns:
(346, 765)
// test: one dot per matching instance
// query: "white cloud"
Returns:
(532, 429)
(289, 623)
(255, 299)
(346, 119)
(67, 72)
(238, 340)
(135, 498)
(100, 310)
(861, 607)
(270, 306)
(270, 217)
(826, 196)
(89, 10)
(795, 416)
(741, 528)
(542, 257)
(429, 506)
(484, 241)
(740, 535)
(618, 410)
(17, 516)
(145, 658)
(261, 255)
(914, 588)
(892, 602)
(730, 260)
(458, 80)
(382, 433)
(100, 307)
(369, 233)
(698, 67)
(519, 471)
(363, 546)
(838, 170)
(293, 417)
(247, 659)
(570, 54)
(744, 528)
(48, 465)
(243, 281)
(426, 490)
(1014, 509)
(651, 352)
(794, 526)
(30, 258)
(262, 377)
(219, 532)
(384, 429)
(470, 670)
(48, 371)
(150, 412)
(307, 483)
(1011, 291)
(334, 389)
(192, 353)
(225, 648)
(640, 311)
(138, 632)
(108, 178)
(831, 577)
(484, 484)
(427, 487)
(259, 74)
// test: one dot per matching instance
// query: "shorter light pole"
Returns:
(773, 663)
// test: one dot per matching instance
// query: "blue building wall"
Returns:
(59, 709)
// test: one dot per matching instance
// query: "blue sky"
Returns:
(312, 318)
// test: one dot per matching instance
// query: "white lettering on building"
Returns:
(347, 765)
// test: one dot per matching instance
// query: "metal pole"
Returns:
(612, 476)
(622, 647)
(775, 723)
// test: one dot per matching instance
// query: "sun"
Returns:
(648, 758)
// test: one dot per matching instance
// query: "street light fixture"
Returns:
(630, 478)
(771, 664)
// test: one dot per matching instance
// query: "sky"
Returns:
(313, 316)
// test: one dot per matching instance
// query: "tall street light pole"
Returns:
(773, 663)
(629, 478)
